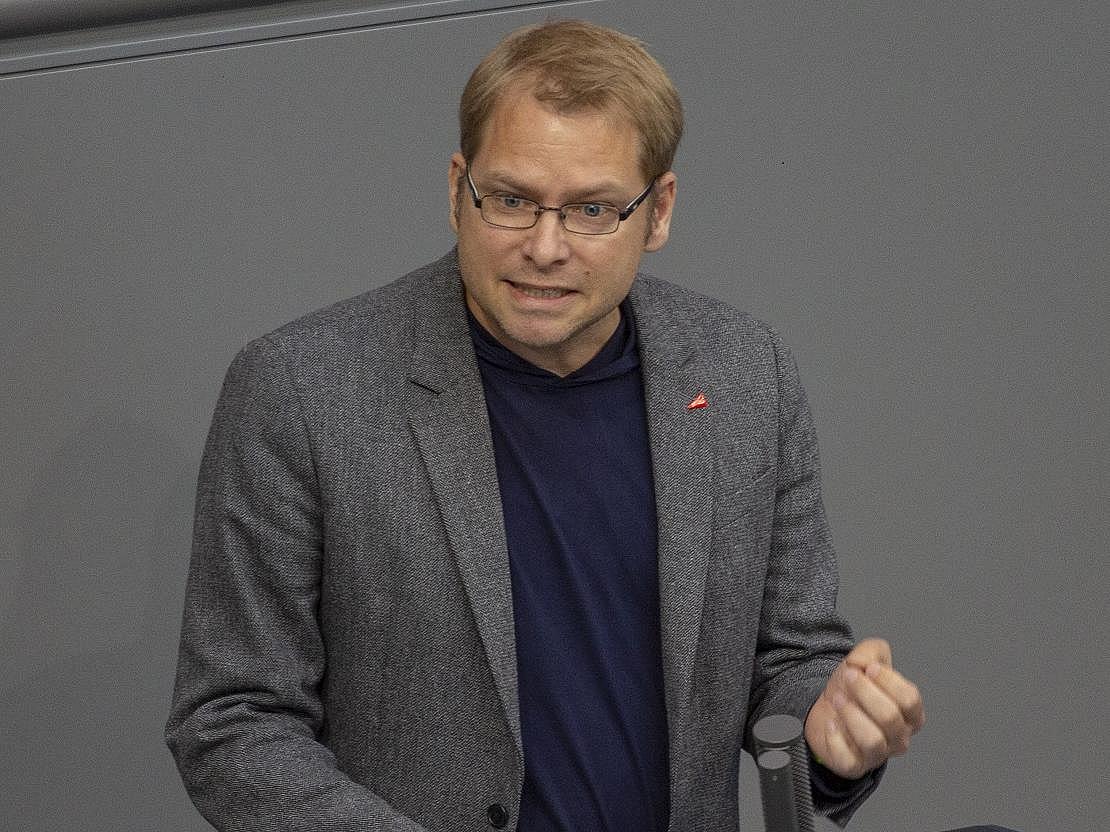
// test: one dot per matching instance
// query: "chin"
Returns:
(534, 340)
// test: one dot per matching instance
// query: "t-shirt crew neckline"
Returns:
(615, 358)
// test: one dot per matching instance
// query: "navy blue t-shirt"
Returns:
(574, 468)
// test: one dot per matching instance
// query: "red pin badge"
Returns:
(698, 402)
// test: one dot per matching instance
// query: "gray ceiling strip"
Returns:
(20, 18)
(169, 36)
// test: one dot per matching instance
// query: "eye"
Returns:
(593, 210)
(510, 202)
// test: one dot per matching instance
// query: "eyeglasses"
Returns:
(510, 211)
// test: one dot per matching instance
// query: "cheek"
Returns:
(473, 253)
(618, 270)
(483, 244)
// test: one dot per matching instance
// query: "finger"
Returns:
(902, 691)
(863, 735)
(844, 676)
(881, 709)
(840, 755)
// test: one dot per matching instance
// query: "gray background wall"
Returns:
(915, 194)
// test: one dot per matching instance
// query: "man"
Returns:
(523, 540)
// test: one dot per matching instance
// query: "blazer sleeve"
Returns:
(247, 715)
(802, 638)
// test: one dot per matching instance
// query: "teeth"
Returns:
(542, 293)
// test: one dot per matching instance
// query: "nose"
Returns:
(546, 244)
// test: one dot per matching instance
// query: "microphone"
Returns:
(783, 764)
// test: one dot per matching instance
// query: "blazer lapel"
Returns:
(449, 420)
(684, 467)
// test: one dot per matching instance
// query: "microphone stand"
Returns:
(783, 764)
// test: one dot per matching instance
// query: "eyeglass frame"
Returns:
(621, 215)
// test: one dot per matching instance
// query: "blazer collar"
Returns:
(442, 356)
(441, 329)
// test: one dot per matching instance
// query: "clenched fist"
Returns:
(867, 713)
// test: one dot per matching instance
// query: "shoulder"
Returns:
(382, 314)
(729, 348)
(701, 322)
(372, 332)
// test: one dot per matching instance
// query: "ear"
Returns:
(662, 202)
(454, 181)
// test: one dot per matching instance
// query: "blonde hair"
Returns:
(574, 65)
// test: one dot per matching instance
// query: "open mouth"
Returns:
(539, 291)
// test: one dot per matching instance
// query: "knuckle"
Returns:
(894, 727)
(874, 744)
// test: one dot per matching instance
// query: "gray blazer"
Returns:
(347, 656)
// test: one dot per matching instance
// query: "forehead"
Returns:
(528, 138)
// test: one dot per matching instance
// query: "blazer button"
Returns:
(498, 816)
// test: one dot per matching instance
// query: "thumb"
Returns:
(868, 651)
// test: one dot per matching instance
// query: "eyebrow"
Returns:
(607, 190)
